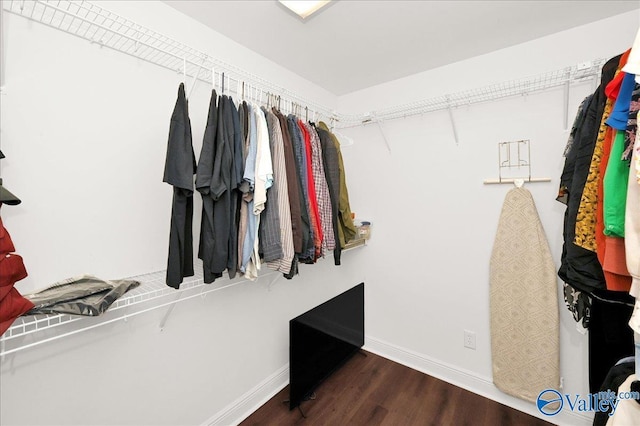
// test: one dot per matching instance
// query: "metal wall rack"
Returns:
(514, 155)
(152, 293)
(577, 74)
(98, 25)
(31, 330)
(107, 29)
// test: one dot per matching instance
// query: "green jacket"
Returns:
(346, 228)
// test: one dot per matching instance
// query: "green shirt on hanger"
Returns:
(615, 182)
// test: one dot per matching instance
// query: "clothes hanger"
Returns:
(237, 89)
(184, 72)
(195, 77)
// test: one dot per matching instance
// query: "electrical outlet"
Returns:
(469, 339)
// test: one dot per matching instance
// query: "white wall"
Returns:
(85, 132)
(434, 221)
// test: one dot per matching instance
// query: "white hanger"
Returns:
(195, 78)
(343, 139)
(184, 72)
(518, 183)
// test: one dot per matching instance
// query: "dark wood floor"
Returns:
(371, 390)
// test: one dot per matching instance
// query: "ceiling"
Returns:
(351, 45)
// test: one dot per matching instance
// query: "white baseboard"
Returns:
(467, 380)
(242, 407)
(248, 403)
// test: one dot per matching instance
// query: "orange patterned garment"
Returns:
(585, 231)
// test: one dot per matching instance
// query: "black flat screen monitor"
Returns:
(323, 339)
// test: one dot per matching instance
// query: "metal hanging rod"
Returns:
(98, 25)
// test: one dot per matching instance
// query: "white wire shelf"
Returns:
(152, 293)
(152, 288)
(579, 73)
(98, 25)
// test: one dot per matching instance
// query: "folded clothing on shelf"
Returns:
(84, 295)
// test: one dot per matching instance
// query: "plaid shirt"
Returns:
(322, 192)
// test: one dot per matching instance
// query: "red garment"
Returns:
(11, 307)
(12, 270)
(313, 200)
(6, 245)
(613, 88)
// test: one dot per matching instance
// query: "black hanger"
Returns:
(6, 197)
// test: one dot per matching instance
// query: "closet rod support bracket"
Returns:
(170, 310)
(453, 123)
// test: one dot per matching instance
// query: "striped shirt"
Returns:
(269, 231)
(279, 196)
(292, 183)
